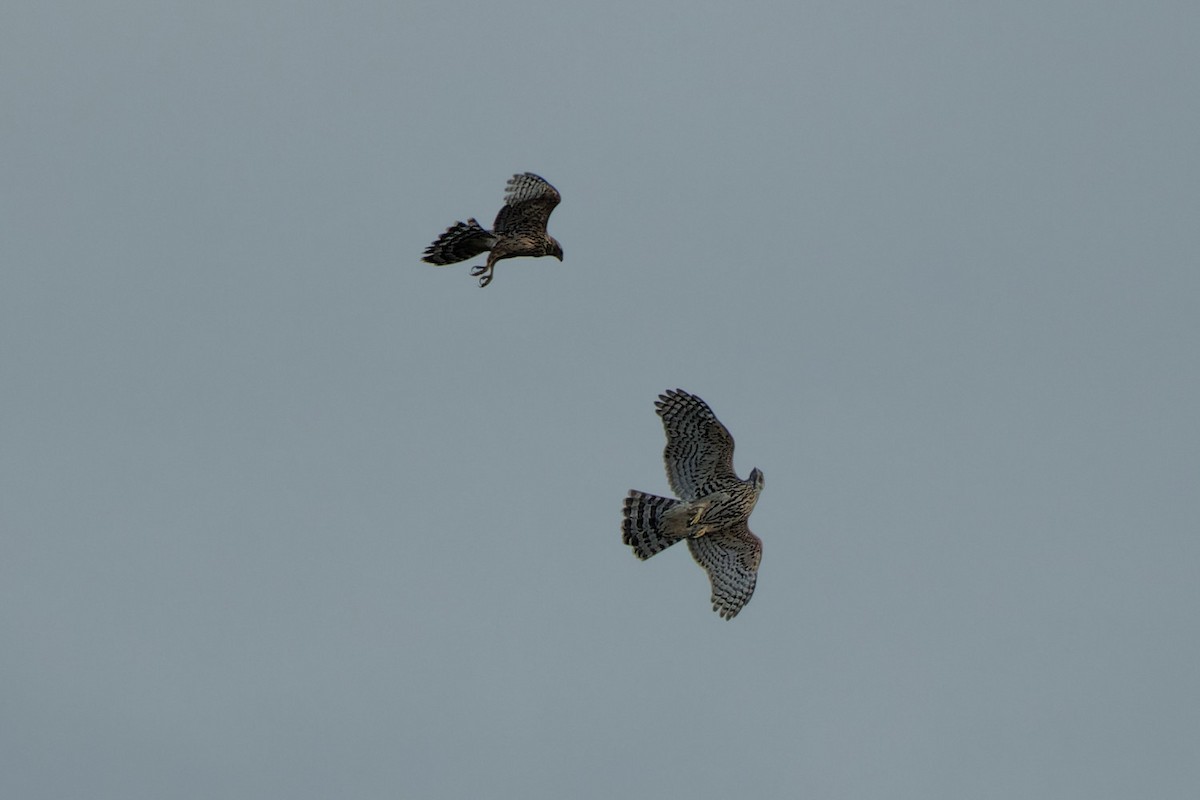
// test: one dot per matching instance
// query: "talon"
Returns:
(484, 281)
(477, 271)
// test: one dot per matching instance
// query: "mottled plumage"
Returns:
(713, 508)
(519, 230)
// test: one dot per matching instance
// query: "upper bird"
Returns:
(714, 508)
(519, 229)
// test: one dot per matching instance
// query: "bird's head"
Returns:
(553, 248)
(756, 479)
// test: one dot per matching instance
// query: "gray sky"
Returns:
(288, 514)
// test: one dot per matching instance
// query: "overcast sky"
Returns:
(288, 514)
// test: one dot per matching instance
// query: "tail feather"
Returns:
(461, 241)
(646, 527)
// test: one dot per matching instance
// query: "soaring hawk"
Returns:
(714, 505)
(519, 230)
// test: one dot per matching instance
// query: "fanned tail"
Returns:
(647, 528)
(461, 241)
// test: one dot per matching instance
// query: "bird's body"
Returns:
(713, 508)
(519, 230)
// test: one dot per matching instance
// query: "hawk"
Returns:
(519, 230)
(713, 508)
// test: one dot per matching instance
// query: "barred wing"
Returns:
(699, 451)
(731, 558)
(528, 201)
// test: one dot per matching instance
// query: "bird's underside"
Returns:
(713, 508)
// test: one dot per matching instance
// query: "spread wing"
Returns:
(731, 558)
(699, 451)
(528, 201)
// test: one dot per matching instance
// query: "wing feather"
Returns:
(699, 451)
(731, 558)
(528, 201)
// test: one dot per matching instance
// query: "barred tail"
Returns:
(645, 528)
(461, 241)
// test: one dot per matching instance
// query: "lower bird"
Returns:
(714, 505)
(519, 230)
